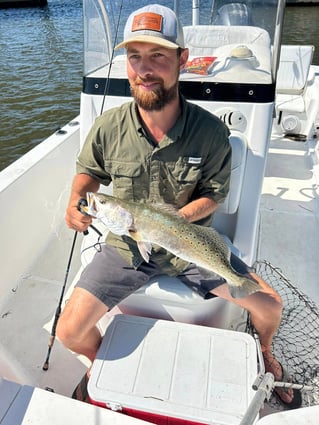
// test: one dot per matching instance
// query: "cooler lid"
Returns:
(174, 369)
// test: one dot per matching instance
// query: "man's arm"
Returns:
(198, 209)
(82, 183)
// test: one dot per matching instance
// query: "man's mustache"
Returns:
(139, 81)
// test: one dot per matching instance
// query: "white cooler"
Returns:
(174, 373)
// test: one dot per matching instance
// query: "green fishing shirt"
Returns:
(191, 161)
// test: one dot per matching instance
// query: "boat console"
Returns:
(234, 51)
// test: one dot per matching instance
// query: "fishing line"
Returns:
(97, 246)
(107, 85)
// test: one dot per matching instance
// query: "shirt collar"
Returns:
(174, 133)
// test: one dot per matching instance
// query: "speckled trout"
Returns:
(150, 224)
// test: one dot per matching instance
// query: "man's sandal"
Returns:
(296, 400)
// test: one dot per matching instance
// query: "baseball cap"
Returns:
(155, 24)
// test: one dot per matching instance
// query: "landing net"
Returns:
(296, 344)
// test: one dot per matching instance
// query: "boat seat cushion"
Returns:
(293, 69)
(290, 103)
(201, 38)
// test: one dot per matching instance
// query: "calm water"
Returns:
(40, 73)
(41, 68)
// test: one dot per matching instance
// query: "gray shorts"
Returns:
(111, 279)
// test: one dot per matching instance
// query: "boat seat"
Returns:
(292, 78)
(167, 298)
(222, 43)
(293, 69)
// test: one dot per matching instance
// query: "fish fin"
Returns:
(145, 248)
(248, 287)
(207, 274)
(113, 227)
(135, 234)
(168, 209)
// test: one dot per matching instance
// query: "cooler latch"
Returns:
(116, 407)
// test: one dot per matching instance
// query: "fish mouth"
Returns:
(90, 208)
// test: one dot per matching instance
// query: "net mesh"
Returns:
(296, 344)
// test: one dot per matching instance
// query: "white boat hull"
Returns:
(271, 214)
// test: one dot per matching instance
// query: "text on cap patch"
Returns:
(147, 21)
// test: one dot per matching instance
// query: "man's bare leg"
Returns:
(76, 327)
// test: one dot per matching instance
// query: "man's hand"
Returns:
(74, 218)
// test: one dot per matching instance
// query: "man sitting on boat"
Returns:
(161, 149)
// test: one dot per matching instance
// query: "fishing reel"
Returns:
(81, 204)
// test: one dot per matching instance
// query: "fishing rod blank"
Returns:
(58, 310)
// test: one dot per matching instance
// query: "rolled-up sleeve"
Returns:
(217, 168)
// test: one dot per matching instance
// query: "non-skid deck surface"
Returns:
(289, 222)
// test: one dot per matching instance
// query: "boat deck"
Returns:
(288, 236)
(289, 226)
(23, 321)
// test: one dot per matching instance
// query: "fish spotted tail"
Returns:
(248, 287)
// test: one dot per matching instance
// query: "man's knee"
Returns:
(66, 330)
(275, 302)
(79, 317)
(272, 299)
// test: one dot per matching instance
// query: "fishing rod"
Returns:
(58, 310)
(82, 202)
(107, 84)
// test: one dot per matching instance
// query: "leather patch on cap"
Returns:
(147, 21)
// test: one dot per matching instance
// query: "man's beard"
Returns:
(154, 100)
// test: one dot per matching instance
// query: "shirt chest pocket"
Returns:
(129, 179)
(181, 178)
(183, 171)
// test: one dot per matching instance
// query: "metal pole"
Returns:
(278, 37)
(195, 12)
(263, 392)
